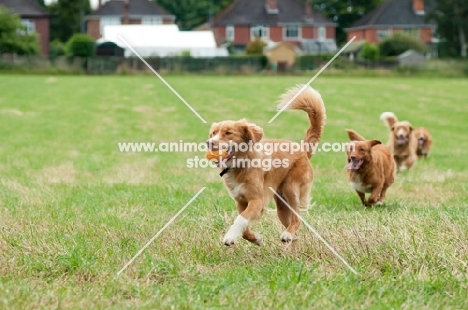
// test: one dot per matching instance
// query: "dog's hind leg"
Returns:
(305, 195)
(284, 213)
(291, 195)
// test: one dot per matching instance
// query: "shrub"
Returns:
(255, 47)
(56, 48)
(81, 45)
(370, 51)
(400, 42)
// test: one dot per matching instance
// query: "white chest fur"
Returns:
(358, 186)
(236, 189)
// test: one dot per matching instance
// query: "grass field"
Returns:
(74, 209)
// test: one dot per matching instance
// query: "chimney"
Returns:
(308, 10)
(418, 7)
(99, 4)
(271, 6)
(126, 17)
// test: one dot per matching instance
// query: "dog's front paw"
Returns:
(232, 236)
(230, 239)
(236, 231)
(286, 236)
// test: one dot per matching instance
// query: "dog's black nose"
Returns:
(352, 157)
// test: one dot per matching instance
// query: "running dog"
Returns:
(250, 187)
(371, 168)
(402, 141)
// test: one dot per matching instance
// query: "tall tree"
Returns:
(67, 18)
(14, 38)
(41, 2)
(452, 26)
(344, 12)
(192, 13)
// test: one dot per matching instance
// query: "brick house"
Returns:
(118, 12)
(34, 17)
(272, 20)
(394, 16)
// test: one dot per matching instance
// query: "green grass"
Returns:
(74, 209)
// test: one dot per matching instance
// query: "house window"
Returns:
(151, 20)
(109, 21)
(322, 33)
(414, 32)
(29, 24)
(259, 31)
(291, 32)
(382, 33)
(230, 33)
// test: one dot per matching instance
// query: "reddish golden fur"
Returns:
(249, 187)
(376, 171)
(402, 141)
(424, 139)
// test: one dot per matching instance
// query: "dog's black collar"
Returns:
(225, 170)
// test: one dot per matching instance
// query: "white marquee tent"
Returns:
(163, 40)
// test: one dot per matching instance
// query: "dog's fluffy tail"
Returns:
(302, 97)
(389, 118)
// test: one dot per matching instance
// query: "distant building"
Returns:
(34, 17)
(272, 20)
(126, 12)
(163, 41)
(394, 16)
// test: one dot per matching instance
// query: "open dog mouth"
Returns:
(421, 141)
(230, 152)
(402, 140)
(223, 155)
(354, 164)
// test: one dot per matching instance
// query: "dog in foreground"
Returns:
(402, 141)
(250, 187)
(371, 168)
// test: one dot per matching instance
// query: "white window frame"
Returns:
(29, 24)
(299, 32)
(382, 33)
(321, 33)
(230, 33)
(151, 20)
(265, 32)
(108, 21)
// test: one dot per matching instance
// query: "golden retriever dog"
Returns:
(371, 168)
(250, 185)
(424, 139)
(402, 141)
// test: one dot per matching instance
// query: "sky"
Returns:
(94, 3)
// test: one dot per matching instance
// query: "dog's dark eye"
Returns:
(362, 149)
(228, 133)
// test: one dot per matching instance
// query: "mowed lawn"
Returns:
(74, 210)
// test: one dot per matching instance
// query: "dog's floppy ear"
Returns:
(354, 136)
(374, 142)
(251, 132)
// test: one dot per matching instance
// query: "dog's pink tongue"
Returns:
(349, 166)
